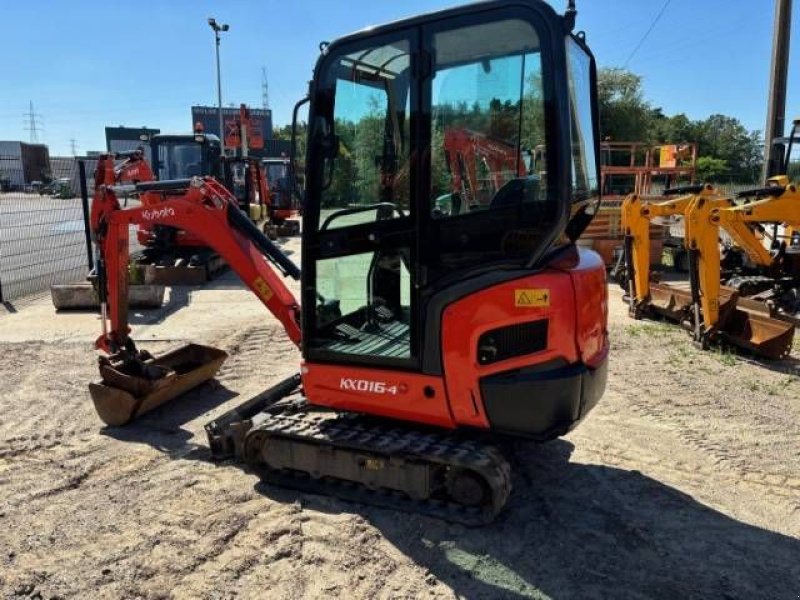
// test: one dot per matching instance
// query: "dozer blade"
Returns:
(759, 333)
(128, 391)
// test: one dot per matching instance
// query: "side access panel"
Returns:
(514, 325)
(529, 356)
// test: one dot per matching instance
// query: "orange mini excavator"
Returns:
(426, 338)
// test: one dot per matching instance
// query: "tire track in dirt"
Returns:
(252, 351)
(31, 422)
(786, 488)
(718, 424)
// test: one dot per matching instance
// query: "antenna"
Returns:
(570, 15)
(264, 88)
(33, 123)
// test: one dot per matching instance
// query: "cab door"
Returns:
(360, 238)
(488, 94)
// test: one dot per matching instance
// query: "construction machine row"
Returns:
(742, 254)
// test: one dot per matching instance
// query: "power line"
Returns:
(33, 120)
(647, 33)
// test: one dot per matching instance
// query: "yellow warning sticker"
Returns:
(263, 289)
(531, 298)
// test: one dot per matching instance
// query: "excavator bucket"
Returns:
(674, 300)
(759, 333)
(129, 390)
(671, 301)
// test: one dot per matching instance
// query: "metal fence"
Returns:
(42, 230)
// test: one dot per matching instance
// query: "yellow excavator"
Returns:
(713, 311)
(764, 322)
(645, 293)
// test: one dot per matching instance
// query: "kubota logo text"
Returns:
(365, 385)
(159, 213)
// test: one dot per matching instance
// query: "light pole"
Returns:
(212, 22)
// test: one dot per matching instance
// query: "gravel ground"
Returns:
(683, 483)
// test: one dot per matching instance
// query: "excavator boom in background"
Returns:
(425, 337)
(479, 166)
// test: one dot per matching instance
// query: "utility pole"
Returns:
(779, 72)
(217, 29)
(32, 123)
(264, 89)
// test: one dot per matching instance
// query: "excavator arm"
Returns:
(636, 219)
(782, 206)
(204, 208)
(465, 149)
(704, 219)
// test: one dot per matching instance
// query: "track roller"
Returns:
(367, 461)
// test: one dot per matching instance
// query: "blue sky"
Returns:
(86, 64)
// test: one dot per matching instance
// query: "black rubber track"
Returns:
(363, 435)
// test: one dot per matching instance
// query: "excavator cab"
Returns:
(376, 245)
(284, 202)
(183, 156)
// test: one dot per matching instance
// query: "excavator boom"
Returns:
(202, 207)
(711, 309)
(133, 381)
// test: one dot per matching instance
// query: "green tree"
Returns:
(625, 116)
(672, 130)
(710, 169)
(285, 133)
(532, 113)
(342, 191)
(727, 139)
(368, 148)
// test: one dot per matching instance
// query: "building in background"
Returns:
(260, 142)
(22, 164)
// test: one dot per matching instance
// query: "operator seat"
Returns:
(517, 191)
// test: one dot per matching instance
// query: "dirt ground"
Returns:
(683, 483)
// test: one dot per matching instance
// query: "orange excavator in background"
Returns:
(284, 208)
(181, 156)
(479, 166)
(426, 339)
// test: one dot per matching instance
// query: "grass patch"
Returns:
(779, 388)
(681, 354)
(725, 357)
(752, 386)
(648, 330)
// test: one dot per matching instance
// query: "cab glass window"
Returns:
(488, 118)
(489, 198)
(369, 176)
(178, 161)
(585, 179)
